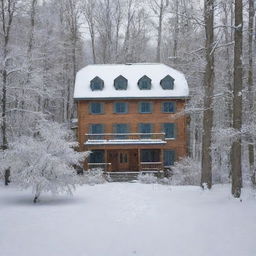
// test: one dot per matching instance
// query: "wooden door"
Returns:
(123, 160)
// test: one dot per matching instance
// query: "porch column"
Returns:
(106, 159)
(162, 157)
(139, 160)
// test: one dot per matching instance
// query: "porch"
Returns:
(127, 160)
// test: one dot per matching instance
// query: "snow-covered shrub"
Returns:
(186, 172)
(147, 178)
(46, 161)
(94, 176)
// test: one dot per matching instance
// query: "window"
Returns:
(145, 128)
(96, 129)
(121, 128)
(144, 83)
(97, 156)
(170, 130)
(150, 155)
(169, 157)
(120, 83)
(145, 107)
(168, 107)
(167, 83)
(97, 84)
(96, 108)
(120, 107)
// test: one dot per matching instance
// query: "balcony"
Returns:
(124, 138)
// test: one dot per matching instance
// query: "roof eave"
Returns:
(132, 98)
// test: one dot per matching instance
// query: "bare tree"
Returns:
(206, 176)
(159, 8)
(7, 9)
(130, 16)
(89, 11)
(237, 99)
(250, 85)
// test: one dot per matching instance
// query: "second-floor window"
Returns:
(96, 129)
(120, 107)
(145, 107)
(170, 130)
(96, 108)
(121, 128)
(168, 107)
(145, 128)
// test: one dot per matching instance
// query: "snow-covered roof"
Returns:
(122, 142)
(132, 72)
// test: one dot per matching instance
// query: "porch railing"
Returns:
(104, 166)
(151, 166)
(124, 136)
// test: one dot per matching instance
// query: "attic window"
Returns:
(144, 83)
(97, 84)
(120, 83)
(167, 83)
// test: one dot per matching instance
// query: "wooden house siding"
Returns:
(133, 118)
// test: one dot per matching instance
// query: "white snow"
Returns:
(132, 73)
(127, 219)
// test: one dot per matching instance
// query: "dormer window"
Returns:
(144, 83)
(120, 83)
(97, 84)
(167, 83)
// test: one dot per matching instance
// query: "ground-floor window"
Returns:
(169, 157)
(97, 156)
(150, 155)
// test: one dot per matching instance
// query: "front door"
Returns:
(123, 160)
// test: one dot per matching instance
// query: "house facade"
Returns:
(130, 116)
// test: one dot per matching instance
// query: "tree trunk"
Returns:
(176, 31)
(159, 37)
(7, 18)
(37, 194)
(237, 100)
(206, 168)
(250, 85)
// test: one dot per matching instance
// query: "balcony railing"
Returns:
(113, 138)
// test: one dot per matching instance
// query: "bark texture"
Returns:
(206, 168)
(237, 100)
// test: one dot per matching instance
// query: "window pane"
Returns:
(96, 108)
(121, 128)
(97, 156)
(169, 107)
(145, 107)
(97, 84)
(169, 130)
(121, 107)
(96, 129)
(169, 157)
(145, 128)
(150, 155)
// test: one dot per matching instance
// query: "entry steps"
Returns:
(128, 176)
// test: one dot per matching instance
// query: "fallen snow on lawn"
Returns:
(119, 219)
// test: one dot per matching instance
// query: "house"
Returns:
(129, 115)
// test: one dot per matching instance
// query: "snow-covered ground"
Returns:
(121, 219)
